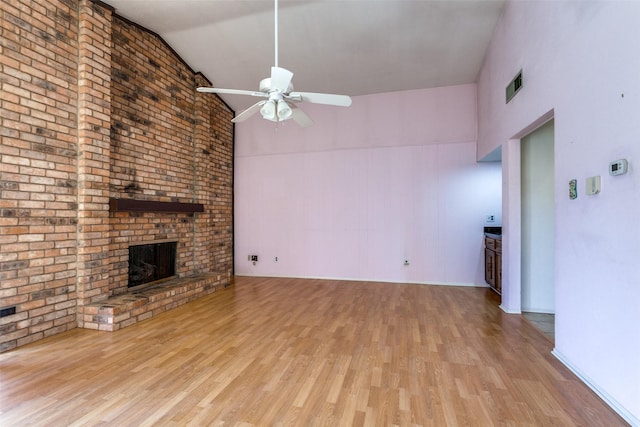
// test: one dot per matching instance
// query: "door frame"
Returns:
(512, 216)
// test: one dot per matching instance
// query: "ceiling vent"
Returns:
(514, 86)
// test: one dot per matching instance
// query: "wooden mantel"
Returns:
(132, 205)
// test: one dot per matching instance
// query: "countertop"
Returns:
(493, 232)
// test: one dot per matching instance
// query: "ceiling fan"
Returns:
(280, 101)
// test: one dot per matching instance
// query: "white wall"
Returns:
(392, 177)
(579, 65)
(538, 231)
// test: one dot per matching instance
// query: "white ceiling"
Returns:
(351, 47)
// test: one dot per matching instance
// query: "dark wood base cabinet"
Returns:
(493, 262)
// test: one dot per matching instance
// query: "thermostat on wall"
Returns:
(618, 167)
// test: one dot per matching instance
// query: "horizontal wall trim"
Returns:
(132, 205)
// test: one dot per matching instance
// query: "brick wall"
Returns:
(94, 149)
(95, 107)
(153, 153)
(214, 153)
(38, 170)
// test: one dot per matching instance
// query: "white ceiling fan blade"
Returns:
(248, 112)
(231, 91)
(300, 117)
(322, 98)
(280, 79)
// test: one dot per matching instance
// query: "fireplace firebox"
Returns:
(150, 263)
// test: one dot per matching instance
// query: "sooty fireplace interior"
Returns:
(148, 263)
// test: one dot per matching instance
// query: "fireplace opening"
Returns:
(151, 263)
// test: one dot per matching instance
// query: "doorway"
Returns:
(538, 228)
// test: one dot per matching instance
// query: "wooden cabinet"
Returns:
(498, 271)
(493, 262)
(489, 267)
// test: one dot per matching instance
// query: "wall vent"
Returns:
(514, 86)
(7, 311)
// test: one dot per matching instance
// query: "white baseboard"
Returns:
(538, 310)
(351, 279)
(506, 310)
(614, 404)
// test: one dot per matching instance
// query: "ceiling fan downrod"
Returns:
(276, 31)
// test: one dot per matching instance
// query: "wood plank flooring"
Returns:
(304, 353)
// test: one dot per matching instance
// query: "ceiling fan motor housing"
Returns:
(265, 86)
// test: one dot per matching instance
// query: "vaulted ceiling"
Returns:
(351, 47)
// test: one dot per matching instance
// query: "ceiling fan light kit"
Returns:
(281, 99)
(284, 111)
(276, 110)
(268, 111)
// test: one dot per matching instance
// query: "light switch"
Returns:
(592, 185)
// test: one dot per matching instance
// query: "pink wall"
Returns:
(392, 177)
(395, 119)
(578, 67)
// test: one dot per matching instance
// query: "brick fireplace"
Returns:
(106, 145)
(167, 151)
(150, 263)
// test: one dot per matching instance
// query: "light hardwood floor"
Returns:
(304, 353)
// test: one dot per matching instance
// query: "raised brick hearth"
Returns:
(126, 309)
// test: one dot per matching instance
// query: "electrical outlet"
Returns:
(253, 258)
(491, 218)
(7, 311)
(275, 259)
(405, 262)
